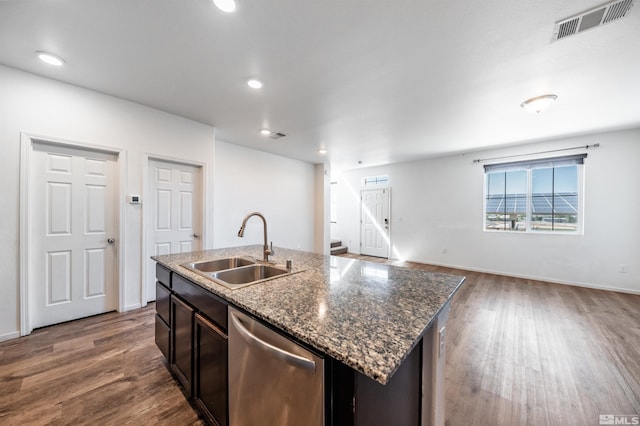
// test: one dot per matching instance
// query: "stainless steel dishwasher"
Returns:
(272, 380)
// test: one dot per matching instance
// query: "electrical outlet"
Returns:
(623, 269)
(444, 251)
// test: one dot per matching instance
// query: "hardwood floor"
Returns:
(519, 352)
(102, 370)
(524, 352)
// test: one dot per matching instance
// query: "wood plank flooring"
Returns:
(102, 370)
(519, 352)
(524, 352)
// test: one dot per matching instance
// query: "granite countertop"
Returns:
(367, 315)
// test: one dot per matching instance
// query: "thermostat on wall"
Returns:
(134, 199)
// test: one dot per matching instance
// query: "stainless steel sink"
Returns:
(249, 274)
(219, 264)
(238, 272)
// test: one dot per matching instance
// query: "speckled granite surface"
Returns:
(367, 315)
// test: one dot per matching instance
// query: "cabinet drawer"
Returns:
(163, 337)
(163, 275)
(207, 303)
(162, 302)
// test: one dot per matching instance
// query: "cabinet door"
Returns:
(182, 343)
(210, 381)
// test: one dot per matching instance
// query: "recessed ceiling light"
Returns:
(265, 132)
(538, 103)
(50, 58)
(225, 5)
(254, 84)
(322, 151)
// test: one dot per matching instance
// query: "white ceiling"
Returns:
(372, 80)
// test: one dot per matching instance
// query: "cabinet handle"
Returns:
(294, 359)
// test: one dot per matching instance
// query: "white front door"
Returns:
(72, 262)
(175, 218)
(375, 220)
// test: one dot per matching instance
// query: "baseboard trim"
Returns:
(132, 307)
(533, 277)
(9, 336)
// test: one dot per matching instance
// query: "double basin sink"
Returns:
(237, 272)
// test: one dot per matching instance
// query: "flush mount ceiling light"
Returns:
(225, 5)
(265, 132)
(50, 58)
(254, 84)
(322, 151)
(538, 103)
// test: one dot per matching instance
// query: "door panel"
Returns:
(95, 210)
(186, 208)
(71, 264)
(58, 285)
(176, 204)
(96, 271)
(59, 208)
(375, 221)
(186, 246)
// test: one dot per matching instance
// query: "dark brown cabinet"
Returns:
(182, 316)
(191, 326)
(163, 315)
(163, 337)
(163, 295)
(210, 373)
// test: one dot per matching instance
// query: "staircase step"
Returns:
(336, 243)
(339, 250)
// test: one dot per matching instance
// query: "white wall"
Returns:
(282, 189)
(437, 204)
(45, 107)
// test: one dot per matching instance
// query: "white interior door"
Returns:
(175, 221)
(72, 262)
(374, 222)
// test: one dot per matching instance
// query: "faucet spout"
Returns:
(266, 250)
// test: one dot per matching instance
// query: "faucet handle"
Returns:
(271, 252)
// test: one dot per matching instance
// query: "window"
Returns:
(375, 180)
(534, 196)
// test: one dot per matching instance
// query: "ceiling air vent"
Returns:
(592, 18)
(277, 135)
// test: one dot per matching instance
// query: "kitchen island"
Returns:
(367, 320)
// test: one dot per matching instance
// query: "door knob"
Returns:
(111, 240)
(196, 236)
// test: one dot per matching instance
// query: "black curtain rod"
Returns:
(595, 145)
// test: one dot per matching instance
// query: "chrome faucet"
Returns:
(267, 251)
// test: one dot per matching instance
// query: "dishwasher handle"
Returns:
(286, 356)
